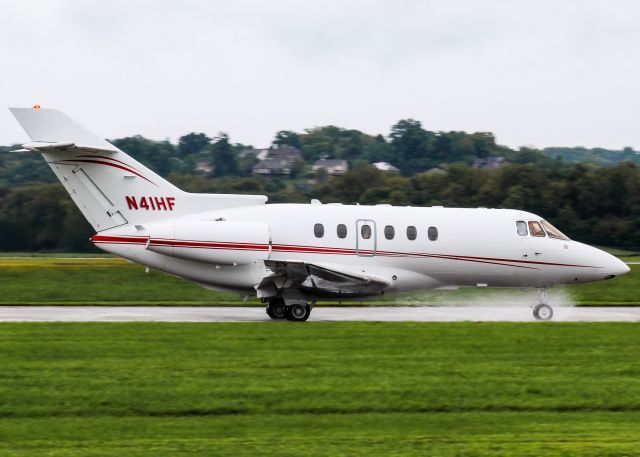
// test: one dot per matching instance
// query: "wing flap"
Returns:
(321, 279)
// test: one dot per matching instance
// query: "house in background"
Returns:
(272, 167)
(385, 166)
(490, 163)
(204, 167)
(275, 161)
(435, 171)
(333, 167)
(284, 151)
(259, 154)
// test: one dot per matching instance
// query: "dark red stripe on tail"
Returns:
(115, 165)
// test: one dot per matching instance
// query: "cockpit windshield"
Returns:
(540, 229)
(553, 232)
(535, 229)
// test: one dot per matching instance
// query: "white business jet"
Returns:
(290, 255)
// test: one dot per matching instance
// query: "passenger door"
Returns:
(365, 237)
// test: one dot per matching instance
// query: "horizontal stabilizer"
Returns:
(50, 126)
(41, 146)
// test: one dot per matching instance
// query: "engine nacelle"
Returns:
(215, 242)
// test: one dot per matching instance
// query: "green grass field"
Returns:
(319, 389)
(113, 281)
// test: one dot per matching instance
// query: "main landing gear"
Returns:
(542, 311)
(295, 312)
(276, 308)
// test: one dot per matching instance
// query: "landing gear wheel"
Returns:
(276, 309)
(543, 312)
(298, 312)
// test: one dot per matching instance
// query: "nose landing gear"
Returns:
(542, 311)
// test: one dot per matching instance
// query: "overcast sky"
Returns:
(543, 73)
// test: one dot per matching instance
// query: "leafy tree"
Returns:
(484, 144)
(321, 175)
(17, 168)
(297, 168)
(245, 164)
(224, 158)
(192, 143)
(319, 142)
(352, 147)
(287, 137)
(350, 187)
(412, 146)
(379, 151)
(157, 155)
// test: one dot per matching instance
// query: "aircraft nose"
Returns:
(613, 266)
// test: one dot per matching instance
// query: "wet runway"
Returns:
(319, 314)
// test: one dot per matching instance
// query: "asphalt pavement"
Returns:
(319, 314)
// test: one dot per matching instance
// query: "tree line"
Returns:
(408, 146)
(591, 194)
(590, 204)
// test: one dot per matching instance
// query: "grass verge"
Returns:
(114, 281)
(319, 389)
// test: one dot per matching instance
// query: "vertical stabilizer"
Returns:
(109, 186)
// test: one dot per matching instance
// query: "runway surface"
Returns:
(319, 314)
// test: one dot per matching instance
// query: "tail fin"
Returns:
(107, 185)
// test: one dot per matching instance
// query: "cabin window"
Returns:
(365, 231)
(318, 230)
(412, 232)
(536, 229)
(553, 232)
(389, 232)
(432, 233)
(342, 231)
(521, 227)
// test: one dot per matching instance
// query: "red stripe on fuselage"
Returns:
(532, 262)
(208, 245)
(119, 239)
(321, 250)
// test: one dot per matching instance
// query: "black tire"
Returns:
(298, 312)
(543, 312)
(276, 309)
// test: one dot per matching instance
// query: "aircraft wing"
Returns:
(321, 279)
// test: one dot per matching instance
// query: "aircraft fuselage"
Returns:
(468, 247)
